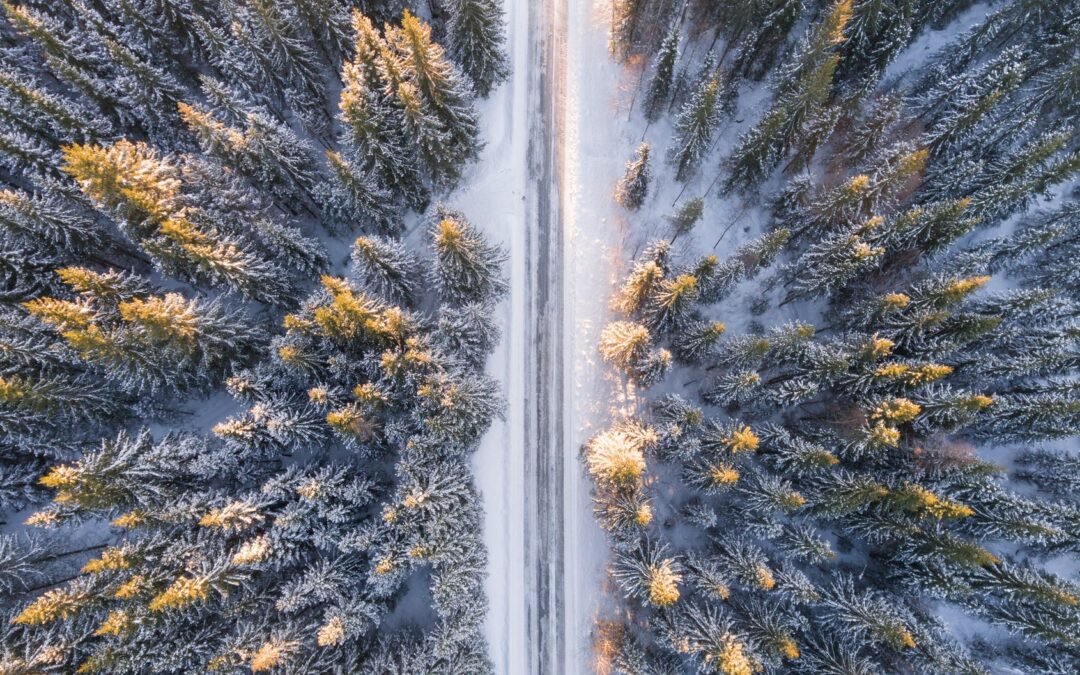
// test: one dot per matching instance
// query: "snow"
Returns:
(597, 143)
(930, 41)
(494, 201)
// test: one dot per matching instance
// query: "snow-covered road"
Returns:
(553, 151)
(595, 142)
(496, 200)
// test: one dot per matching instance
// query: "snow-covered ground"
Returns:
(494, 200)
(596, 143)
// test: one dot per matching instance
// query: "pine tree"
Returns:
(469, 331)
(228, 101)
(631, 191)
(46, 220)
(147, 343)
(374, 124)
(268, 34)
(624, 344)
(803, 90)
(144, 192)
(978, 90)
(734, 387)
(931, 228)
(432, 138)
(467, 268)
(696, 341)
(710, 637)
(647, 574)
(127, 179)
(267, 152)
(1044, 412)
(757, 51)
(687, 216)
(386, 267)
(638, 287)
(354, 194)
(476, 29)
(877, 32)
(22, 154)
(1054, 472)
(152, 93)
(1013, 182)
(328, 22)
(615, 457)
(834, 262)
(695, 126)
(625, 17)
(652, 368)
(24, 101)
(866, 138)
(670, 303)
(221, 260)
(439, 92)
(28, 402)
(663, 75)
(866, 617)
(300, 252)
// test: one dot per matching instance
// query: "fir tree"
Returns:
(434, 89)
(625, 17)
(467, 268)
(697, 341)
(631, 191)
(803, 90)
(624, 344)
(663, 74)
(757, 51)
(46, 220)
(374, 124)
(877, 32)
(387, 267)
(144, 193)
(146, 343)
(646, 573)
(26, 102)
(671, 302)
(695, 126)
(264, 150)
(687, 216)
(249, 537)
(476, 30)
(354, 194)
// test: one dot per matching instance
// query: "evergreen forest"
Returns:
(237, 403)
(852, 444)
(290, 313)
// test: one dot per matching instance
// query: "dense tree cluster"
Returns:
(818, 495)
(174, 176)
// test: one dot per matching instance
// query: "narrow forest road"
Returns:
(545, 460)
(546, 553)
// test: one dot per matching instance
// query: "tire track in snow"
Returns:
(544, 486)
